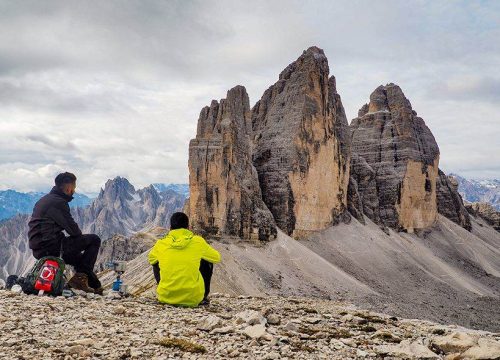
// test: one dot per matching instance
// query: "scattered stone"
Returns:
(407, 350)
(209, 323)
(84, 342)
(223, 330)
(273, 319)
(455, 342)
(255, 331)
(81, 328)
(119, 310)
(361, 353)
(17, 289)
(386, 336)
(250, 317)
(485, 349)
(290, 326)
(311, 320)
(136, 353)
(76, 350)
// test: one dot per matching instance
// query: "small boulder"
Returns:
(223, 330)
(455, 342)
(290, 326)
(273, 319)
(76, 350)
(407, 350)
(209, 323)
(119, 310)
(250, 317)
(255, 331)
(485, 349)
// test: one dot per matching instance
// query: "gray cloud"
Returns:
(468, 88)
(107, 88)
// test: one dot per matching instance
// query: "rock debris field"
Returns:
(242, 327)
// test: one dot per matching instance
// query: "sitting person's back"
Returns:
(184, 260)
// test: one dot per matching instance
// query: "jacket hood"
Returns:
(179, 238)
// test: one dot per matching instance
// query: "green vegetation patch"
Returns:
(182, 345)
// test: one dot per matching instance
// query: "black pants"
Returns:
(206, 270)
(80, 252)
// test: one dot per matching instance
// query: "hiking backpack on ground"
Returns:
(46, 277)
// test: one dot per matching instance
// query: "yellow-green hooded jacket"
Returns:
(178, 254)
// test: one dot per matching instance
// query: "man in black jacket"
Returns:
(51, 215)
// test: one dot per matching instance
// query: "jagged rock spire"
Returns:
(402, 152)
(225, 194)
(301, 150)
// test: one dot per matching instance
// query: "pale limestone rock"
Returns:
(210, 323)
(485, 349)
(301, 148)
(486, 212)
(225, 197)
(250, 317)
(255, 331)
(407, 349)
(455, 342)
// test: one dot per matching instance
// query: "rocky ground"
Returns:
(96, 327)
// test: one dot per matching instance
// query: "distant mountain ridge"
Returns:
(178, 188)
(13, 202)
(479, 190)
(119, 210)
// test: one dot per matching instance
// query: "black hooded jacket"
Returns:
(51, 215)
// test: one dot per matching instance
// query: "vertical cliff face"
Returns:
(450, 202)
(403, 154)
(301, 149)
(225, 197)
(363, 192)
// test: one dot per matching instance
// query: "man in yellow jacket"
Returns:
(183, 265)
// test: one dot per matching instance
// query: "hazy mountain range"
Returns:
(479, 190)
(13, 202)
(119, 210)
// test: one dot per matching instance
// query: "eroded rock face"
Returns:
(225, 197)
(450, 202)
(487, 212)
(403, 154)
(301, 149)
(121, 209)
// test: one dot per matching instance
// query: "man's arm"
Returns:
(153, 260)
(156, 272)
(152, 256)
(210, 254)
(62, 216)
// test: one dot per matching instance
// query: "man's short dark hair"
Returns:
(65, 178)
(179, 220)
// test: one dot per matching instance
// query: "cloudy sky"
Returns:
(108, 88)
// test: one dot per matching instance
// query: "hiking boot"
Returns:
(204, 302)
(99, 290)
(80, 282)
